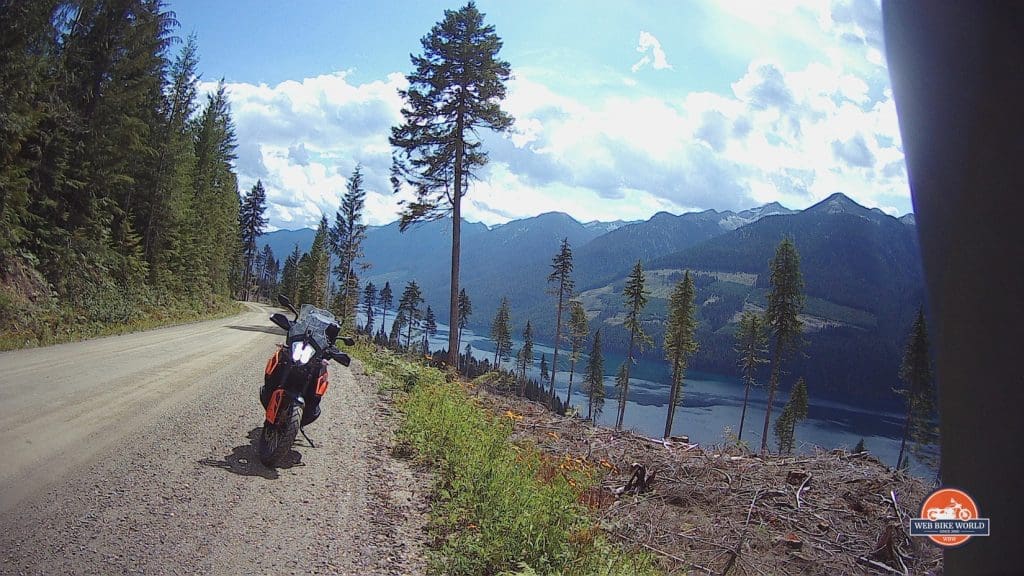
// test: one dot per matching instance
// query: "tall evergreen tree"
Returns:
(578, 330)
(501, 333)
(594, 379)
(347, 235)
(385, 299)
(525, 357)
(751, 345)
(621, 387)
(453, 95)
(266, 271)
(919, 394)
(793, 412)
(561, 277)
(543, 367)
(785, 301)
(252, 222)
(680, 341)
(313, 283)
(214, 243)
(29, 54)
(409, 308)
(429, 329)
(635, 295)
(465, 311)
(369, 302)
(168, 208)
(290, 275)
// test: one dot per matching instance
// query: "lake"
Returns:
(712, 403)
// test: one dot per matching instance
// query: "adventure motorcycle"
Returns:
(296, 378)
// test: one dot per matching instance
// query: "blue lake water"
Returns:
(712, 404)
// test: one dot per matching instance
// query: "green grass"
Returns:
(500, 508)
(29, 325)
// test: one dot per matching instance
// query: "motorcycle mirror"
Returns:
(281, 320)
(332, 331)
(348, 341)
(341, 358)
(284, 301)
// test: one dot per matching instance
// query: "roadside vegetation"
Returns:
(500, 507)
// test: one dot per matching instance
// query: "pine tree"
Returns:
(409, 308)
(290, 275)
(369, 302)
(266, 272)
(785, 301)
(561, 277)
(252, 223)
(578, 330)
(385, 300)
(429, 329)
(29, 53)
(751, 345)
(214, 242)
(525, 356)
(465, 311)
(594, 380)
(635, 300)
(860, 448)
(313, 285)
(453, 95)
(793, 412)
(501, 333)
(347, 235)
(680, 341)
(544, 368)
(919, 394)
(621, 388)
(168, 209)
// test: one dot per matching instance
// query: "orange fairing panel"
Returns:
(321, 384)
(274, 405)
(272, 363)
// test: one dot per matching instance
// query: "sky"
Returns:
(622, 108)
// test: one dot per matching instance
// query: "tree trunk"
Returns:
(568, 393)
(624, 393)
(772, 385)
(558, 334)
(906, 432)
(453, 300)
(743, 414)
(672, 396)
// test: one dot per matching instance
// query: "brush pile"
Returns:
(724, 510)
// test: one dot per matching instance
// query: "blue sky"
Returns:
(622, 108)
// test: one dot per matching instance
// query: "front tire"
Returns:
(276, 440)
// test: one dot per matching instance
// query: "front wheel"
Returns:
(276, 439)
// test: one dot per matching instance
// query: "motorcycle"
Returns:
(295, 378)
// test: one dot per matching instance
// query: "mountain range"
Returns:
(861, 270)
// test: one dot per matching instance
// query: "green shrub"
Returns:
(499, 506)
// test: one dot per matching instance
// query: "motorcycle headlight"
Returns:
(301, 352)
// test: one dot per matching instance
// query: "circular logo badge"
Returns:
(949, 504)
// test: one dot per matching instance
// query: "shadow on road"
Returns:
(244, 462)
(266, 329)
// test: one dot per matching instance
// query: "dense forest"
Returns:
(118, 198)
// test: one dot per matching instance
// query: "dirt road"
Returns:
(133, 455)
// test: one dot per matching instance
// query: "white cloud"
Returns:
(650, 47)
(793, 132)
(304, 138)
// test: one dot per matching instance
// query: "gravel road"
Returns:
(134, 455)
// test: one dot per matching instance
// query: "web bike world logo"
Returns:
(949, 517)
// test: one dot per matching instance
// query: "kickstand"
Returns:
(307, 438)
